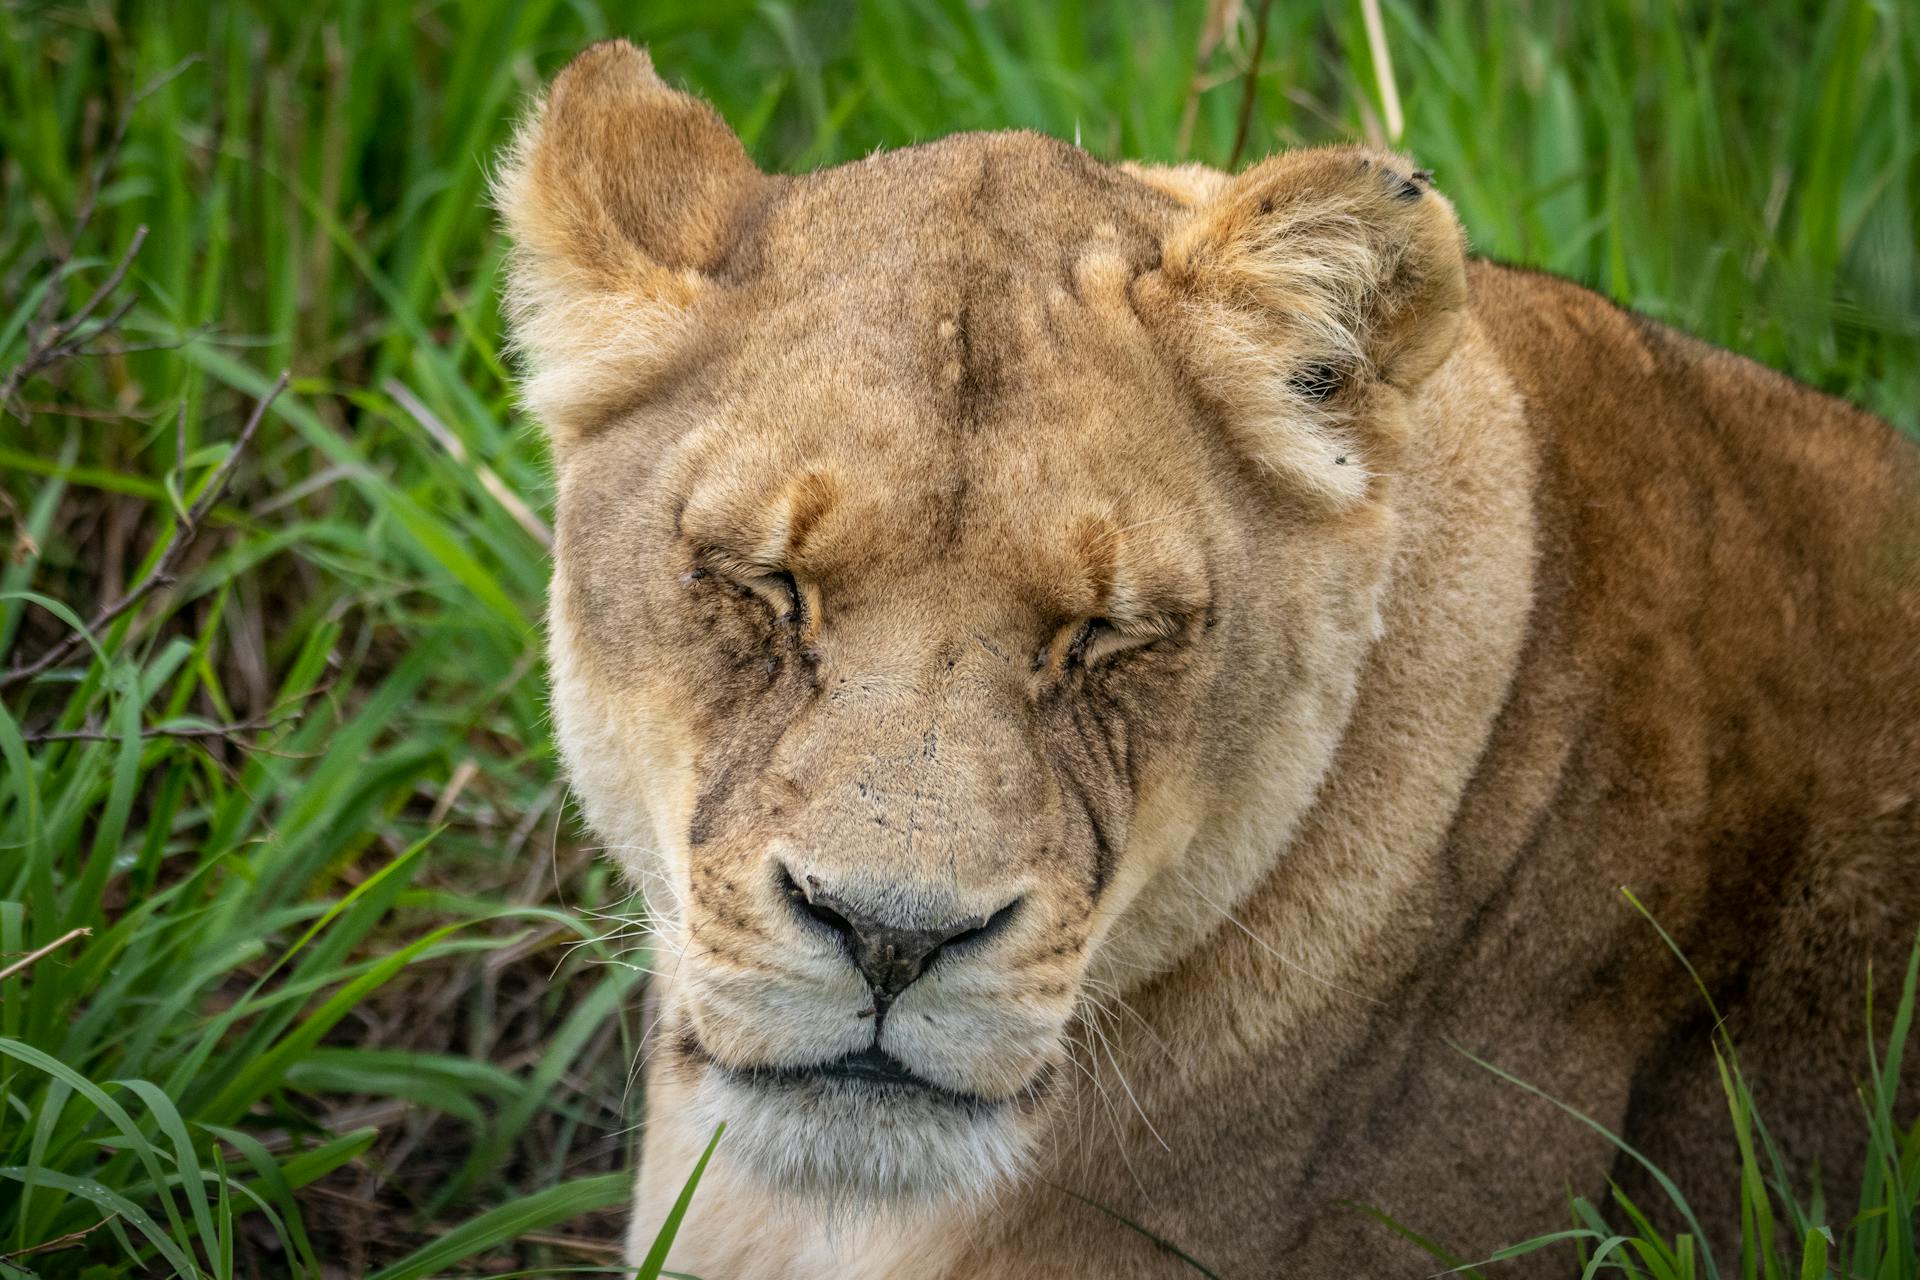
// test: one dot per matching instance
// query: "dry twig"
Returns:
(230, 732)
(66, 1241)
(52, 341)
(60, 340)
(161, 574)
(27, 961)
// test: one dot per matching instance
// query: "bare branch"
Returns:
(66, 1241)
(47, 345)
(218, 486)
(199, 333)
(27, 961)
(161, 574)
(230, 732)
(242, 734)
(108, 285)
(138, 413)
(50, 345)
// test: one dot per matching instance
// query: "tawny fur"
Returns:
(1438, 601)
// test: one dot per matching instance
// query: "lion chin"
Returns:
(844, 1150)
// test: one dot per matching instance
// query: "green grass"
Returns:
(331, 1007)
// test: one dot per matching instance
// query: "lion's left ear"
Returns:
(1303, 288)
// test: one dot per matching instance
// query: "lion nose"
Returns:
(891, 954)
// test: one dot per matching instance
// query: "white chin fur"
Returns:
(846, 1147)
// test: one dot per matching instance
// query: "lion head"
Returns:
(966, 559)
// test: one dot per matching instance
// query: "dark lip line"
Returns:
(872, 1066)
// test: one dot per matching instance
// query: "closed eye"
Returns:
(774, 588)
(780, 593)
(1098, 639)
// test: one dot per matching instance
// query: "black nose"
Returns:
(891, 955)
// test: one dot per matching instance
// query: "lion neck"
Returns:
(1328, 910)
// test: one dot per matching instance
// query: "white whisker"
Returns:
(1300, 969)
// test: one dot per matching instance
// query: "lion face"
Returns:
(945, 541)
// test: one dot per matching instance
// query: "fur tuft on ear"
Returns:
(1190, 184)
(1305, 287)
(619, 193)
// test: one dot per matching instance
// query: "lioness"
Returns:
(1111, 679)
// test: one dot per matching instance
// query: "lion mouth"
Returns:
(873, 1065)
(872, 1071)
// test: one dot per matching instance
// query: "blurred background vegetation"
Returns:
(304, 966)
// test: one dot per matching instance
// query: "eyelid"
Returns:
(776, 587)
(780, 592)
(731, 564)
(1100, 638)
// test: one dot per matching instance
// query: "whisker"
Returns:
(1106, 1047)
(1113, 993)
(1113, 1115)
(1302, 970)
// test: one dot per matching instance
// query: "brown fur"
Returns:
(1439, 601)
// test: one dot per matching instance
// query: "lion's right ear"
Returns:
(619, 193)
